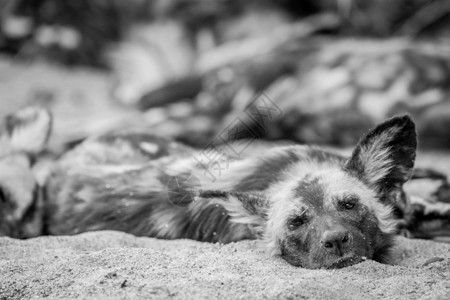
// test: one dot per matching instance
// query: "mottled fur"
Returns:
(22, 136)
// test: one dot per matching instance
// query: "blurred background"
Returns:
(310, 71)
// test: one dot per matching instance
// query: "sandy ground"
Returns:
(117, 265)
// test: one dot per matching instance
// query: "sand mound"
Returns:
(116, 265)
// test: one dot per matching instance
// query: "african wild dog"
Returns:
(22, 136)
(312, 207)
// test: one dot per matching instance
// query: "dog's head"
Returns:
(22, 135)
(331, 212)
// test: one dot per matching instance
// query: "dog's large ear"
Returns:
(243, 207)
(28, 129)
(384, 158)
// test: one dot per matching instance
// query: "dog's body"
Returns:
(22, 136)
(313, 207)
(124, 182)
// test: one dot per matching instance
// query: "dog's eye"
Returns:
(296, 222)
(349, 203)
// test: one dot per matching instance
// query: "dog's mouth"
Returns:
(345, 262)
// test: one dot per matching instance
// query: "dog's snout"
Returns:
(335, 241)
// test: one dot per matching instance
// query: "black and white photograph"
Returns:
(225, 149)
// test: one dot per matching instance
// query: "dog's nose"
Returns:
(335, 241)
